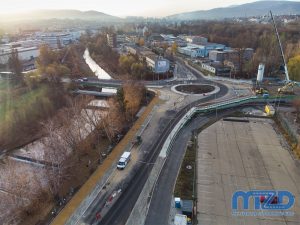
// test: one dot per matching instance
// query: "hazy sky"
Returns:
(121, 8)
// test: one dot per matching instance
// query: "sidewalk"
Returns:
(103, 172)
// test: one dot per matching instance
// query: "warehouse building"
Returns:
(194, 50)
(24, 54)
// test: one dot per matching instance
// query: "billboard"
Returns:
(161, 64)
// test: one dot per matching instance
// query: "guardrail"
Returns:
(218, 106)
(240, 101)
(100, 84)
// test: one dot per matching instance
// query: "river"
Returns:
(99, 72)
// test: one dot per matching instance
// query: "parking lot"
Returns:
(245, 155)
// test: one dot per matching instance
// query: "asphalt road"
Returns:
(122, 208)
(159, 209)
(120, 211)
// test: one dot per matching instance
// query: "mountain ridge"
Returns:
(46, 14)
(258, 8)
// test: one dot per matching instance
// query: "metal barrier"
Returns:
(218, 106)
(240, 101)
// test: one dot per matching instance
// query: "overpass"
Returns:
(94, 93)
(101, 83)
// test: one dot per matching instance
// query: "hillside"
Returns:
(60, 14)
(246, 10)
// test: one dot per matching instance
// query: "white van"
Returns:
(123, 160)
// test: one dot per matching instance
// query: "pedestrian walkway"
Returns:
(91, 183)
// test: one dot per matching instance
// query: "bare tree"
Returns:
(133, 96)
(21, 185)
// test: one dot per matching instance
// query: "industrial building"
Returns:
(194, 50)
(190, 50)
(230, 54)
(216, 69)
(56, 39)
(25, 54)
(194, 39)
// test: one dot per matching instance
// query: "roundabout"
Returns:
(195, 89)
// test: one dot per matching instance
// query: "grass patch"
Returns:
(3, 84)
(185, 181)
(21, 111)
(23, 102)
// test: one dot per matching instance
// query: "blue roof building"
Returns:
(202, 50)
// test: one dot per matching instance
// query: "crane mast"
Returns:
(281, 51)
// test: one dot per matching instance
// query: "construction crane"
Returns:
(281, 51)
(288, 88)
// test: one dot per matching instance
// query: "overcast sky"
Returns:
(155, 8)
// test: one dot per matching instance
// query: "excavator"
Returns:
(288, 88)
(262, 92)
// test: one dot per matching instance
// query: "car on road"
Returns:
(85, 79)
(123, 161)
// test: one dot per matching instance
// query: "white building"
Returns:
(58, 39)
(208, 68)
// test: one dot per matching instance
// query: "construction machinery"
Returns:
(261, 91)
(288, 88)
(270, 110)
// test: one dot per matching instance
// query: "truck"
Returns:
(123, 161)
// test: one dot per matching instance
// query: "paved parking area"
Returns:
(243, 156)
